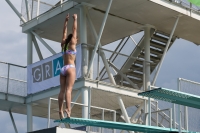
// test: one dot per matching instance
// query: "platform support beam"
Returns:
(102, 54)
(29, 117)
(99, 37)
(29, 61)
(13, 122)
(147, 38)
(37, 48)
(16, 11)
(165, 51)
(29, 49)
(44, 43)
(83, 39)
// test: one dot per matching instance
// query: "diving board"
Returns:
(173, 96)
(117, 125)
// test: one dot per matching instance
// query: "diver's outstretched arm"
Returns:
(74, 30)
(65, 30)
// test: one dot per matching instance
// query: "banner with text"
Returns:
(45, 74)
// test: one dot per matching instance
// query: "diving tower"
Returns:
(102, 93)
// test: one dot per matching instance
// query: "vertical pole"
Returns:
(102, 119)
(38, 8)
(114, 119)
(8, 77)
(83, 39)
(91, 70)
(147, 65)
(157, 113)
(179, 111)
(29, 61)
(29, 49)
(149, 103)
(49, 113)
(170, 114)
(29, 117)
(89, 106)
(174, 115)
(186, 118)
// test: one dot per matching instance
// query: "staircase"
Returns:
(133, 68)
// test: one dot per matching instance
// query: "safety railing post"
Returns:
(38, 8)
(49, 113)
(8, 76)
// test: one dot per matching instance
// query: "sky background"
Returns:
(182, 60)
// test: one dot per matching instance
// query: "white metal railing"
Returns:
(34, 8)
(14, 80)
(89, 113)
(186, 4)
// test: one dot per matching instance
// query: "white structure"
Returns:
(110, 88)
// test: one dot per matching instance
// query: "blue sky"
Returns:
(182, 60)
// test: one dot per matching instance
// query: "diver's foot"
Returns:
(68, 113)
(61, 115)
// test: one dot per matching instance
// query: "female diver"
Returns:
(68, 71)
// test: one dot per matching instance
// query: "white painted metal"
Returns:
(13, 122)
(99, 38)
(38, 8)
(102, 117)
(15, 10)
(165, 51)
(87, 106)
(179, 106)
(174, 115)
(147, 38)
(89, 102)
(27, 10)
(29, 118)
(170, 115)
(114, 119)
(29, 61)
(29, 49)
(149, 110)
(124, 76)
(85, 102)
(49, 113)
(137, 111)
(133, 40)
(37, 48)
(8, 76)
(189, 81)
(83, 39)
(102, 54)
(44, 43)
(157, 113)
(121, 104)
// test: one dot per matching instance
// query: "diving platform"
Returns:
(173, 96)
(124, 18)
(117, 125)
(99, 90)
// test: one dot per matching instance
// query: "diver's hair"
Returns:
(69, 37)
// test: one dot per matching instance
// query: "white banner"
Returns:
(45, 74)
